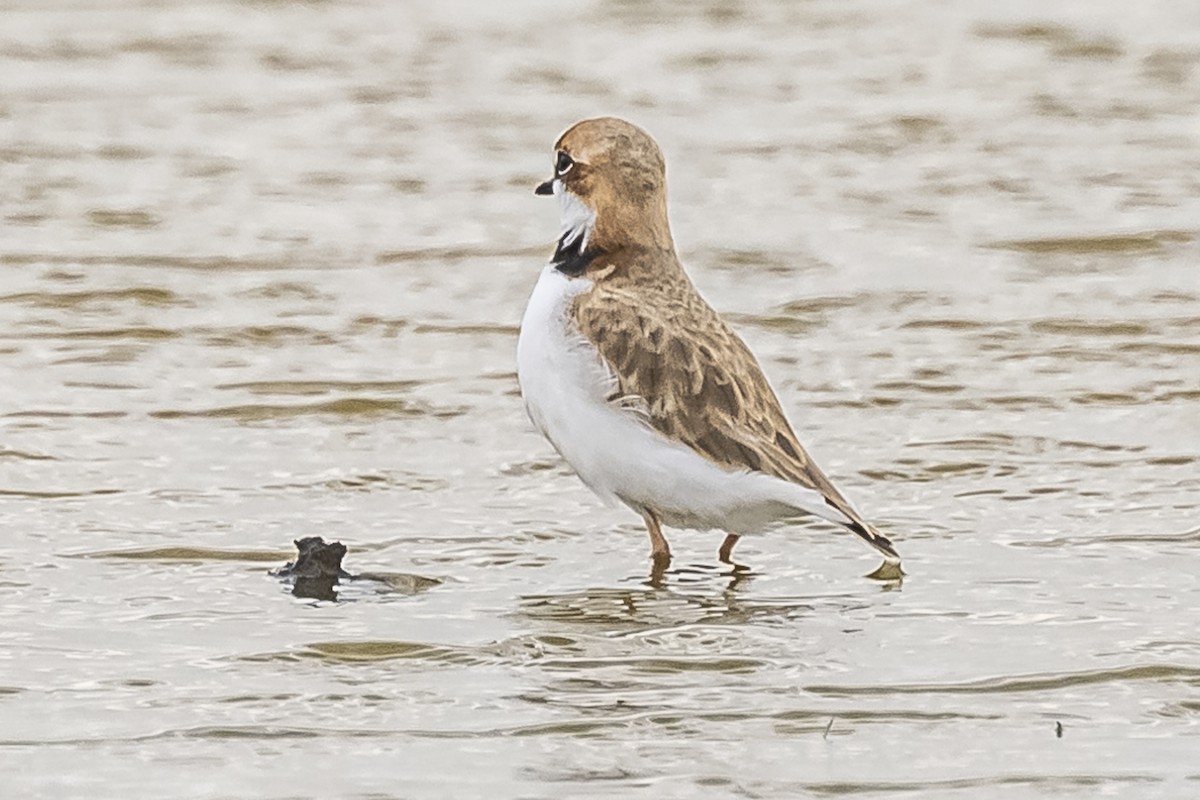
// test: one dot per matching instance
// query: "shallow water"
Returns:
(261, 269)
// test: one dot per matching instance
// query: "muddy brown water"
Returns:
(261, 270)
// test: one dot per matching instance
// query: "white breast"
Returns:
(566, 384)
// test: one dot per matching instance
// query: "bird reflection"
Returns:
(889, 574)
(688, 594)
(738, 575)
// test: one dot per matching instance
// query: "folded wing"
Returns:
(698, 383)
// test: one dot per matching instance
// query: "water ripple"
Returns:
(1167, 673)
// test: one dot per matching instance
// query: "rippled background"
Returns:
(261, 269)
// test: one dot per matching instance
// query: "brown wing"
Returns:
(701, 385)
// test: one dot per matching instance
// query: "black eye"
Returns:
(564, 163)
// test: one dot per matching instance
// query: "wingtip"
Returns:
(890, 571)
(884, 545)
(878, 541)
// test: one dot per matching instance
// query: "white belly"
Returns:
(566, 384)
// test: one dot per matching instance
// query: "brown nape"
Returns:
(622, 177)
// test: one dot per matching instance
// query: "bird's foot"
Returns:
(660, 560)
(725, 553)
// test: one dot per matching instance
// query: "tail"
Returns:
(875, 539)
(828, 504)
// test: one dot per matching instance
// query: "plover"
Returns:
(636, 381)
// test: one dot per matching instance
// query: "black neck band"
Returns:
(571, 259)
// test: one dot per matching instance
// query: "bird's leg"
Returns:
(726, 551)
(660, 551)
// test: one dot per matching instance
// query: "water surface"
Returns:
(261, 270)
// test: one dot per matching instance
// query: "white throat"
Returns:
(577, 218)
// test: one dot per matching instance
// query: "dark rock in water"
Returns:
(317, 559)
(318, 569)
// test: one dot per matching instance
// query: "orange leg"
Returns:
(660, 551)
(726, 551)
